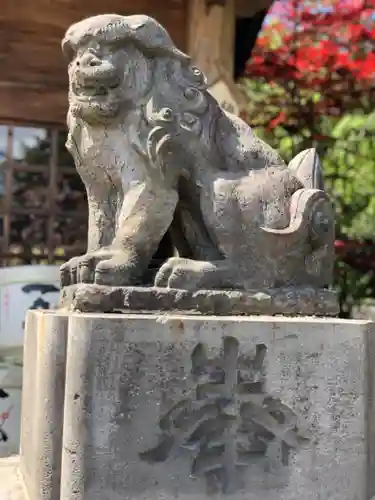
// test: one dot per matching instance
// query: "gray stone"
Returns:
(287, 301)
(43, 403)
(157, 154)
(247, 408)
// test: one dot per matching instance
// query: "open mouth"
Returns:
(96, 89)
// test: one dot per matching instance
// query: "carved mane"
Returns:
(176, 99)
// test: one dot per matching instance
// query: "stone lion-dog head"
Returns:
(116, 63)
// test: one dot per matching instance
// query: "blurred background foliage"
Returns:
(311, 83)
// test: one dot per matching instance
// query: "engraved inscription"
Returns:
(230, 421)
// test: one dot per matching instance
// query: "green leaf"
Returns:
(347, 124)
(370, 122)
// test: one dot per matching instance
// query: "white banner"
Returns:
(23, 288)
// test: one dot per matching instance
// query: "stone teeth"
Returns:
(89, 90)
(92, 90)
(102, 91)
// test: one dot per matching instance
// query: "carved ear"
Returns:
(67, 49)
(151, 35)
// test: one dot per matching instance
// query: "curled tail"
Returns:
(312, 220)
(307, 169)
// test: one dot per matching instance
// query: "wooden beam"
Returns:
(34, 83)
(21, 104)
(212, 47)
(211, 37)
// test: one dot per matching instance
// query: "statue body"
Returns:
(157, 153)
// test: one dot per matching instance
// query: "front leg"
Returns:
(146, 214)
(102, 204)
(102, 208)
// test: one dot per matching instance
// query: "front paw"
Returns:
(81, 269)
(117, 271)
(70, 271)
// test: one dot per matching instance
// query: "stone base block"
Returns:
(43, 403)
(293, 301)
(247, 408)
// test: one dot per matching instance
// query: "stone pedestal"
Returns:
(43, 403)
(182, 407)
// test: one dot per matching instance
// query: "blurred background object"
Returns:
(310, 82)
(21, 288)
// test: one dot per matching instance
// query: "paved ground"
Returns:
(10, 484)
(8, 450)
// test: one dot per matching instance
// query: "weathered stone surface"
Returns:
(288, 301)
(255, 408)
(43, 403)
(242, 408)
(157, 154)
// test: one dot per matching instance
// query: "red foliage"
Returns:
(330, 51)
(357, 254)
(280, 118)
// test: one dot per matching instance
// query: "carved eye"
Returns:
(166, 114)
(198, 76)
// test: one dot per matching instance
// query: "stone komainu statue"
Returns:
(157, 154)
